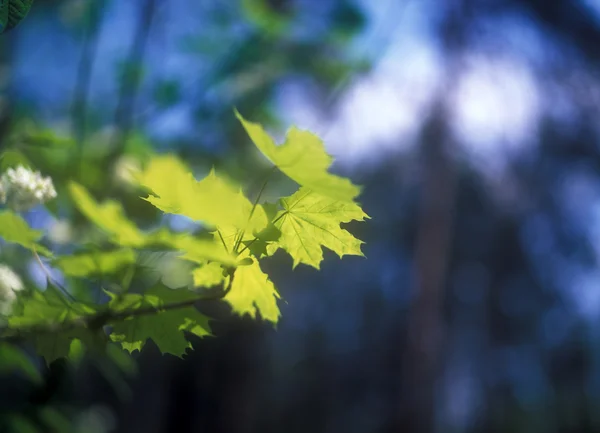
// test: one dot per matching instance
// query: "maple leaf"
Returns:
(213, 200)
(303, 158)
(209, 275)
(310, 221)
(252, 291)
(165, 328)
(110, 217)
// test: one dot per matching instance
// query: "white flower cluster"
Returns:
(21, 188)
(10, 284)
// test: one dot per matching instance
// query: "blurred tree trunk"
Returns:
(431, 259)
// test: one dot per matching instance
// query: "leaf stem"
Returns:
(260, 192)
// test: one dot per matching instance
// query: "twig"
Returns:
(49, 276)
(98, 320)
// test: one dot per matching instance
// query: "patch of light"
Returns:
(495, 107)
(592, 6)
(585, 294)
(383, 111)
(380, 112)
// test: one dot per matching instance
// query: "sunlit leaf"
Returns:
(310, 221)
(252, 292)
(110, 217)
(303, 158)
(213, 200)
(209, 275)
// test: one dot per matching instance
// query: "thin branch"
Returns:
(49, 276)
(98, 320)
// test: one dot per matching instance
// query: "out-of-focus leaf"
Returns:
(20, 424)
(50, 308)
(269, 15)
(14, 229)
(12, 159)
(76, 351)
(95, 262)
(55, 421)
(121, 359)
(12, 12)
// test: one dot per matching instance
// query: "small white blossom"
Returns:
(21, 188)
(10, 284)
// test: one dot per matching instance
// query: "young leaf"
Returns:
(310, 221)
(213, 200)
(302, 158)
(95, 262)
(253, 292)
(165, 328)
(14, 229)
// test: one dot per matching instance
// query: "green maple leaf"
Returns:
(310, 221)
(95, 262)
(165, 328)
(110, 217)
(209, 275)
(213, 200)
(15, 229)
(191, 248)
(303, 158)
(253, 292)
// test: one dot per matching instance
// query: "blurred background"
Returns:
(474, 127)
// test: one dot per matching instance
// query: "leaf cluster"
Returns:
(224, 259)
